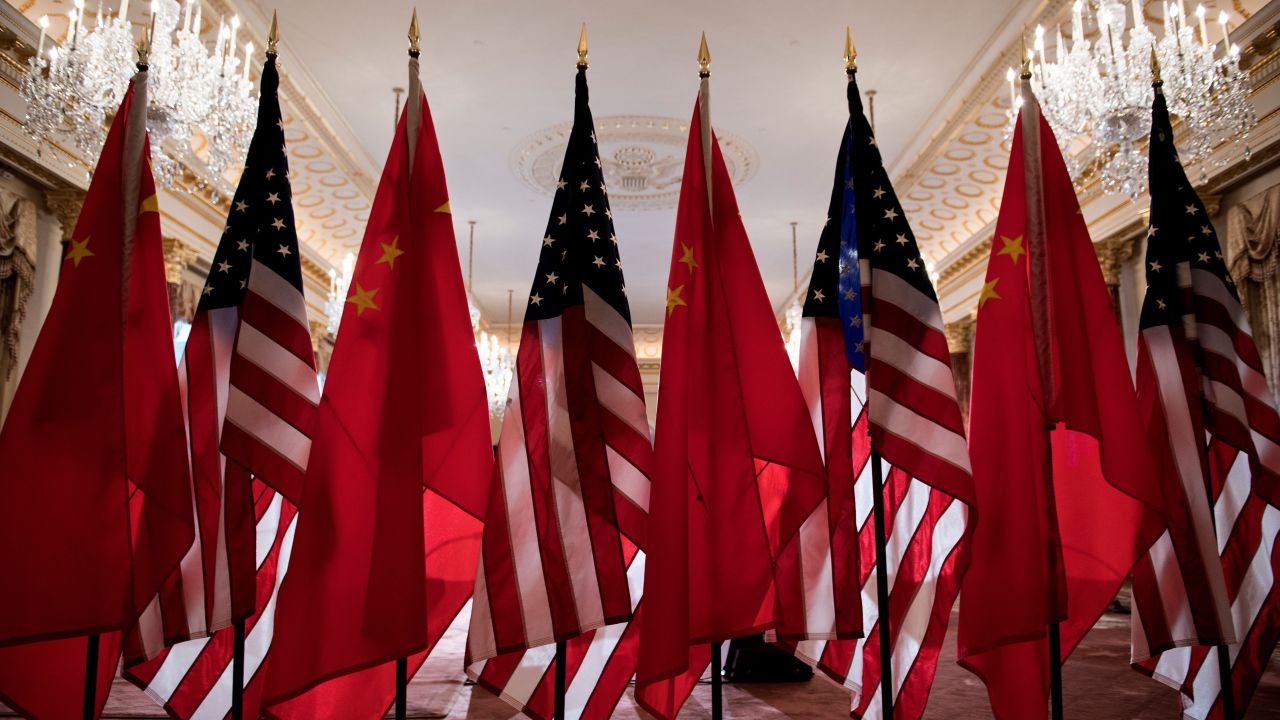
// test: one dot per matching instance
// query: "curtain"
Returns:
(1253, 256)
(17, 273)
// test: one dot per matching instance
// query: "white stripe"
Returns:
(268, 428)
(890, 288)
(1214, 340)
(268, 285)
(922, 368)
(571, 511)
(607, 320)
(1172, 590)
(819, 585)
(618, 398)
(627, 479)
(278, 362)
(1209, 285)
(528, 673)
(481, 643)
(927, 435)
(1257, 584)
(947, 533)
(600, 649)
(1235, 493)
(257, 642)
(1186, 447)
(809, 373)
(535, 608)
(174, 668)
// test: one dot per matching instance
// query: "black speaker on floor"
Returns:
(752, 660)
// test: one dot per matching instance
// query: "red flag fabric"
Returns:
(389, 522)
(1050, 544)
(95, 503)
(737, 466)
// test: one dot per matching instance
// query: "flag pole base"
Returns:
(717, 682)
(1055, 672)
(402, 688)
(562, 660)
(91, 678)
(237, 671)
(882, 586)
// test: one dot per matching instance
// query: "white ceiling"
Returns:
(497, 70)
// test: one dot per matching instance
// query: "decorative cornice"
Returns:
(960, 334)
(1112, 255)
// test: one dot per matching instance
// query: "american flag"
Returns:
(570, 491)
(1200, 369)
(250, 391)
(874, 364)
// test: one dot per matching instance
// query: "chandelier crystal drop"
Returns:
(1096, 94)
(339, 285)
(201, 102)
(498, 365)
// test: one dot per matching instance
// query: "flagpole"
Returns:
(91, 678)
(1043, 339)
(237, 671)
(877, 505)
(411, 126)
(704, 131)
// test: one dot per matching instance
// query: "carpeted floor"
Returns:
(1098, 686)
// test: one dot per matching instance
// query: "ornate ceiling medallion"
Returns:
(642, 157)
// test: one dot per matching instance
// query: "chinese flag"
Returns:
(1050, 544)
(95, 496)
(389, 525)
(737, 466)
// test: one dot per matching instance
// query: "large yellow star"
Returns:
(390, 252)
(988, 293)
(78, 251)
(1012, 247)
(363, 299)
(687, 257)
(674, 300)
(150, 204)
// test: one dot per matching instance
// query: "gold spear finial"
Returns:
(414, 35)
(1156, 80)
(704, 58)
(850, 52)
(582, 47)
(273, 35)
(144, 44)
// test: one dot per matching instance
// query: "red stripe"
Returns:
(892, 319)
(615, 360)
(533, 408)
(499, 569)
(922, 399)
(278, 325)
(593, 471)
(273, 469)
(267, 390)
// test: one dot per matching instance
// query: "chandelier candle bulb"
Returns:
(44, 29)
(1226, 37)
(1077, 23)
(1204, 33)
(186, 16)
(248, 53)
(124, 9)
(235, 30)
(1138, 20)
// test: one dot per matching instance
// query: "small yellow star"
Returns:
(674, 300)
(149, 205)
(988, 293)
(687, 257)
(390, 252)
(363, 299)
(444, 208)
(1012, 247)
(79, 250)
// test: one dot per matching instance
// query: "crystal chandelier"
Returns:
(1097, 95)
(339, 284)
(193, 91)
(498, 366)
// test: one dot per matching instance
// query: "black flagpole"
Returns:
(1055, 671)
(237, 671)
(562, 659)
(402, 688)
(717, 699)
(882, 586)
(91, 678)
